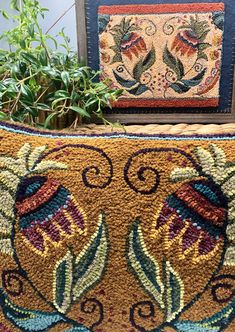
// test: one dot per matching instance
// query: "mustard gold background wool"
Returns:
(116, 232)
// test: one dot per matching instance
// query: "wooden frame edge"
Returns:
(81, 29)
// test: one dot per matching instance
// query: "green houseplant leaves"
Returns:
(31, 74)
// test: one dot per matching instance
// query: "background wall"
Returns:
(56, 9)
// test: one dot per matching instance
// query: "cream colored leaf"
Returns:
(5, 225)
(7, 204)
(229, 187)
(219, 156)
(181, 174)
(229, 258)
(205, 159)
(13, 165)
(35, 155)
(24, 153)
(6, 247)
(218, 175)
(47, 165)
(231, 231)
(229, 170)
(9, 180)
(231, 211)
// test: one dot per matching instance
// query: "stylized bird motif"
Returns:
(197, 212)
(42, 210)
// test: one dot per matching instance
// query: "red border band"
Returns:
(162, 8)
(154, 103)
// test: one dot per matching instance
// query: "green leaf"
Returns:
(49, 119)
(195, 80)
(179, 87)
(27, 93)
(139, 90)
(117, 58)
(143, 265)
(90, 264)
(174, 292)
(169, 59)
(4, 14)
(123, 82)
(115, 48)
(149, 60)
(180, 68)
(22, 44)
(31, 30)
(35, 320)
(42, 106)
(202, 55)
(57, 101)
(203, 46)
(3, 116)
(28, 320)
(144, 64)
(31, 59)
(204, 35)
(218, 19)
(62, 285)
(80, 111)
(53, 40)
(215, 323)
(61, 94)
(65, 78)
(51, 72)
(138, 70)
(175, 64)
(43, 57)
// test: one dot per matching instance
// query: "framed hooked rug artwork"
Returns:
(116, 232)
(173, 59)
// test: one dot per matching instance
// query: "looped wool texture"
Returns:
(117, 232)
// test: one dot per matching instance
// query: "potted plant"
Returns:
(45, 87)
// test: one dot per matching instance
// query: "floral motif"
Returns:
(197, 211)
(70, 274)
(195, 216)
(44, 212)
(132, 44)
(186, 47)
(191, 37)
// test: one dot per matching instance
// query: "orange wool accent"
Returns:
(162, 8)
(201, 205)
(29, 204)
(122, 103)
